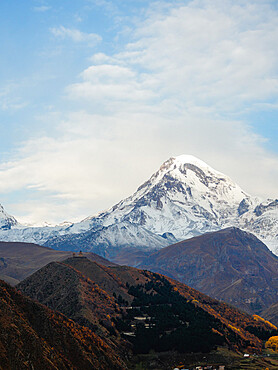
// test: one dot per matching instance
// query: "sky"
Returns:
(95, 95)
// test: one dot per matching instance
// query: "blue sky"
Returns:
(96, 94)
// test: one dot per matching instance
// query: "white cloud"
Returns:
(113, 83)
(9, 99)
(210, 55)
(76, 35)
(107, 72)
(41, 9)
(100, 58)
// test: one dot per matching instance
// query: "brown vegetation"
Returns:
(35, 337)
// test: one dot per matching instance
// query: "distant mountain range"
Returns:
(183, 199)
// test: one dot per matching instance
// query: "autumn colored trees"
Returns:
(272, 343)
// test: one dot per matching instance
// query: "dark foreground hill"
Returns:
(67, 290)
(34, 337)
(146, 309)
(19, 260)
(230, 265)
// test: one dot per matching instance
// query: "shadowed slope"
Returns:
(271, 313)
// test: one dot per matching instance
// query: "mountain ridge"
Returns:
(19, 260)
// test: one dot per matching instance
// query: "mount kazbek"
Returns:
(183, 199)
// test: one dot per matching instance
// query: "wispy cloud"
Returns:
(41, 9)
(76, 35)
(109, 7)
(9, 99)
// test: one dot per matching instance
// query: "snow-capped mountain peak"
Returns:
(6, 221)
(200, 177)
(185, 197)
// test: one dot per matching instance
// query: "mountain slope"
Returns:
(65, 289)
(230, 265)
(34, 337)
(262, 221)
(271, 313)
(108, 240)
